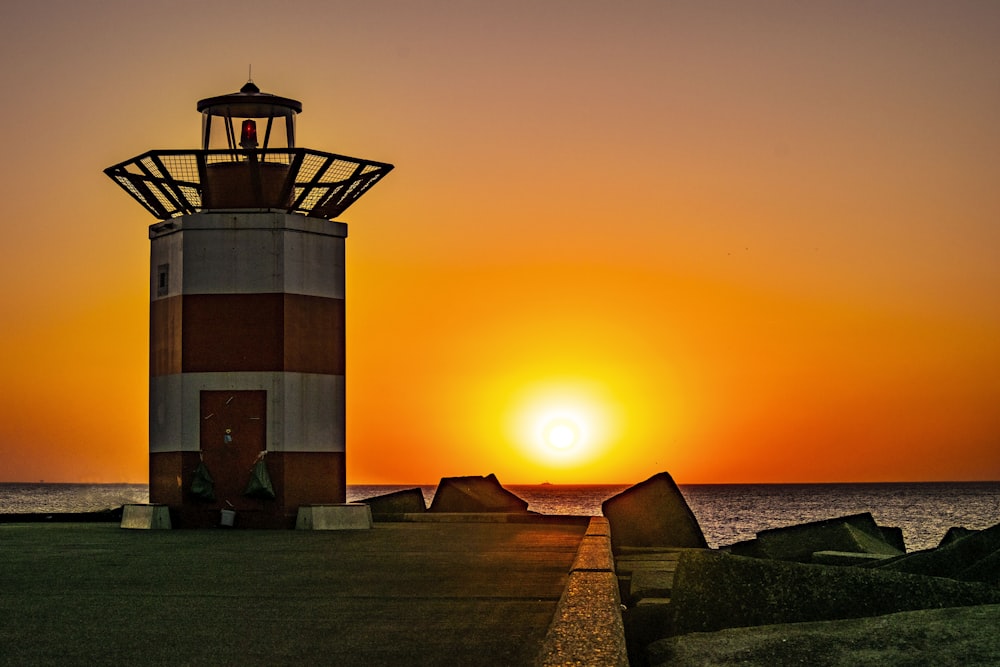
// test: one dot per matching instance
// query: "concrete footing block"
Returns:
(146, 517)
(344, 516)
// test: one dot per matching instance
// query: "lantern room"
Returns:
(248, 160)
(248, 120)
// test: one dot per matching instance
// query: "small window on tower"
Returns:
(162, 279)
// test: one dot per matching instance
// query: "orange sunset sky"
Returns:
(737, 241)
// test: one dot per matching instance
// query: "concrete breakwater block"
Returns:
(893, 536)
(652, 513)
(952, 636)
(955, 533)
(970, 558)
(986, 570)
(344, 516)
(650, 584)
(648, 575)
(146, 517)
(407, 501)
(856, 533)
(475, 494)
(714, 590)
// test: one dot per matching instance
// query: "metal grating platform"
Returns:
(170, 183)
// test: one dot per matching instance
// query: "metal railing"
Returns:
(170, 183)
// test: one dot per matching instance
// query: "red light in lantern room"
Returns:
(248, 135)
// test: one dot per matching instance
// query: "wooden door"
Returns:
(233, 434)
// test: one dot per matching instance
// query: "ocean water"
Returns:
(42, 498)
(727, 512)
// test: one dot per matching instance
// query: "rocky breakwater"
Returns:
(839, 591)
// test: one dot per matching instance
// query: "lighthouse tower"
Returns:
(246, 326)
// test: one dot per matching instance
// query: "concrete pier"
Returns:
(413, 593)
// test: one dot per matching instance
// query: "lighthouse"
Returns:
(246, 317)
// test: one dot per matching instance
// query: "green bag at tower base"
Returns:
(260, 481)
(202, 484)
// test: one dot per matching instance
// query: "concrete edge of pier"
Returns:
(587, 626)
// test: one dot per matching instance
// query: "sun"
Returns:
(561, 424)
(561, 434)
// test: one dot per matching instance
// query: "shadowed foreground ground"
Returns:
(401, 593)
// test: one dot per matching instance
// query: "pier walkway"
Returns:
(402, 593)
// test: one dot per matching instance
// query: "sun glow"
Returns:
(562, 424)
